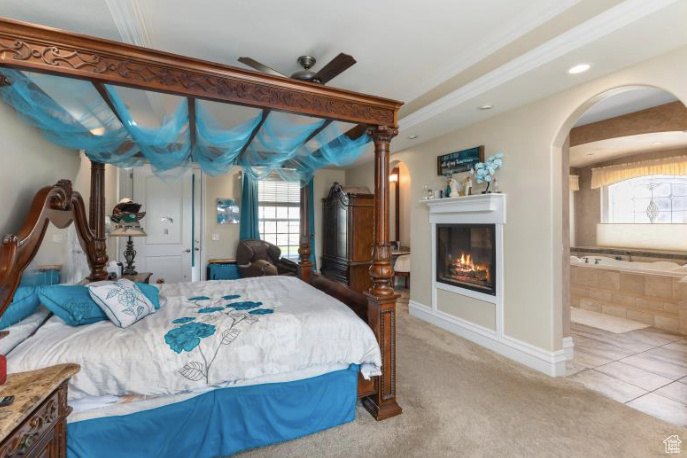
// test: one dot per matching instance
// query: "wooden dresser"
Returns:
(348, 235)
(35, 425)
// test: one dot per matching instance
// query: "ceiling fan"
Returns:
(334, 68)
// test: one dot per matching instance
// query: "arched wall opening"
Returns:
(399, 203)
(561, 146)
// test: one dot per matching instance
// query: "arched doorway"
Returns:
(622, 185)
(400, 220)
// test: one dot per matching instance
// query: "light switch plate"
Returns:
(215, 237)
(59, 238)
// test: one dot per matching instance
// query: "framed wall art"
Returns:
(227, 211)
(460, 161)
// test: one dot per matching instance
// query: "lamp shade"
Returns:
(128, 231)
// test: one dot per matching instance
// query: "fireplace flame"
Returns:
(466, 266)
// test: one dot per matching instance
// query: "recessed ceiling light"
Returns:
(486, 107)
(413, 137)
(658, 143)
(580, 68)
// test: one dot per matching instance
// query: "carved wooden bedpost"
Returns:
(96, 220)
(304, 250)
(381, 308)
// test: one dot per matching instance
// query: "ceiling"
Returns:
(443, 58)
(626, 102)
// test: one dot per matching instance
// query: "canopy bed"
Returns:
(29, 52)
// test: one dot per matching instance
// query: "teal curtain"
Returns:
(249, 220)
(311, 221)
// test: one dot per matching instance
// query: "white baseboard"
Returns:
(548, 362)
(568, 346)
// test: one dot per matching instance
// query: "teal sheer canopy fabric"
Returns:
(75, 114)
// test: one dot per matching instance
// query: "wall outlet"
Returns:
(215, 237)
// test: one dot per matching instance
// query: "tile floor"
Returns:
(645, 368)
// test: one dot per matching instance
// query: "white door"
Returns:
(172, 249)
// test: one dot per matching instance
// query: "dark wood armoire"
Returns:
(348, 235)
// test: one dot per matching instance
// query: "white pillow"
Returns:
(123, 303)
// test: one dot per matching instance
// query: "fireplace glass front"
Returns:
(466, 256)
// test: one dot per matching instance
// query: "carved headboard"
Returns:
(59, 205)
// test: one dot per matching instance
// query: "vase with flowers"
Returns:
(484, 171)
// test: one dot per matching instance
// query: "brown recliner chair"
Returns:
(256, 258)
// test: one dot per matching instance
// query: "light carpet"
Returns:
(608, 323)
(461, 400)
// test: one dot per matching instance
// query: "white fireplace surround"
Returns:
(483, 209)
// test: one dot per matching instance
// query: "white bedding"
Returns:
(296, 328)
(21, 331)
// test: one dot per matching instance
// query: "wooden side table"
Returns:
(141, 277)
(35, 425)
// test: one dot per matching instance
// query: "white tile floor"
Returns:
(645, 368)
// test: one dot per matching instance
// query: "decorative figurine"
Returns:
(127, 212)
(468, 186)
(453, 186)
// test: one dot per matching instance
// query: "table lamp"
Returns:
(127, 217)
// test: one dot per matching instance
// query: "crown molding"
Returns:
(528, 20)
(598, 27)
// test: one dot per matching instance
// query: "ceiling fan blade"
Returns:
(334, 68)
(260, 67)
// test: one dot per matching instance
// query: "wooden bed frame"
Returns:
(36, 48)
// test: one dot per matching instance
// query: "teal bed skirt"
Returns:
(223, 421)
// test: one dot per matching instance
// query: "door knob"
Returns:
(187, 250)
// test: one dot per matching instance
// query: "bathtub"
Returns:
(654, 267)
(654, 293)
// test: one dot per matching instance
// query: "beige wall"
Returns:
(531, 137)
(224, 186)
(588, 200)
(229, 186)
(29, 163)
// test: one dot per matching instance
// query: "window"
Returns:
(648, 199)
(279, 214)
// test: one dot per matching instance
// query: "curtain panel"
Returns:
(311, 222)
(574, 183)
(249, 217)
(672, 166)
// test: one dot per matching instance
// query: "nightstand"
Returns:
(35, 425)
(141, 277)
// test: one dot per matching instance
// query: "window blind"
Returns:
(279, 214)
(279, 191)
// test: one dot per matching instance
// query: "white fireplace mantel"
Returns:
(481, 209)
(477, 209)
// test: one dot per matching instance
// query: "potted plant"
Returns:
(484, 171)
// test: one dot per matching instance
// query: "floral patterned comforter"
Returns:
(207, 334)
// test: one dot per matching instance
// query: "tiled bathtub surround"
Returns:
(657, 300)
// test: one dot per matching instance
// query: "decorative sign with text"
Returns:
(460, 161)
